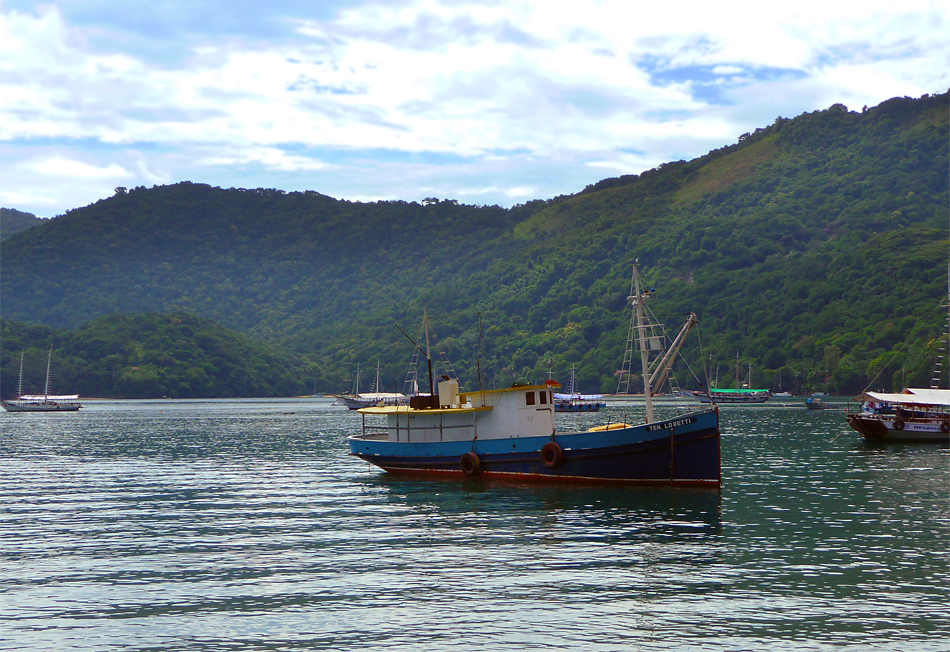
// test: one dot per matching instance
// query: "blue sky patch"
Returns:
(709, 83)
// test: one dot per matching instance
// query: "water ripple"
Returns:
(244, 525)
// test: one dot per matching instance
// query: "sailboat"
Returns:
(511, 433)
(780, 393)
(45, 402)
(574, 402)
(358, 400)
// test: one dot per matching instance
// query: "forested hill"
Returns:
(13, 221)
(811, 248)
(146, 356)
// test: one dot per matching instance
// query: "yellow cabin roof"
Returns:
(405, 409)
(463, 398)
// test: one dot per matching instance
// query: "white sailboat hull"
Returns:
(40, 406)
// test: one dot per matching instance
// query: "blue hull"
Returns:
(684, 450)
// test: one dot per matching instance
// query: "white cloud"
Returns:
(58, 167)
(268, 157)
(549, 92)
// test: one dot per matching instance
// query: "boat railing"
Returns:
(372, 436)
(376, 431)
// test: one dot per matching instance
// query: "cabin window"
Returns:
(529, 398)
(544, 397)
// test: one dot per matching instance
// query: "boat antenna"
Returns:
(478, 358)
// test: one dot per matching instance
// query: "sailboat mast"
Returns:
(49, 359)
(638, 299)
(19, 387)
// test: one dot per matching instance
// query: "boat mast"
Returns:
(48, 360)
(425, 321)
(623, 382)
(19, 387)
(638, 298)
(943, 346)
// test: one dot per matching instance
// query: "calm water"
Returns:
(244, 525)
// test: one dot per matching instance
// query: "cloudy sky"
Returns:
(483, 101)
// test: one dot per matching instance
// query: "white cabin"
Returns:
(513, 412)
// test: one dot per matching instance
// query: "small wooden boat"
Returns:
(815, 403)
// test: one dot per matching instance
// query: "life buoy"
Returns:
(945, 426)
(551, 454)
(898, 425)
(470, 463)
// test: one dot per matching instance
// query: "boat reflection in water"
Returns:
(488, 503)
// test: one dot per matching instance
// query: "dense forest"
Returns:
(814, 250)
(13, 221)
(146, 356)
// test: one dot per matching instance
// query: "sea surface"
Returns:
(245, 525)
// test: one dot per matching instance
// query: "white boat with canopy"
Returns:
(44, 402)
(914, 415)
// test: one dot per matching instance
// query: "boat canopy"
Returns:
(50, 397)
(578, 397)
(911, 396)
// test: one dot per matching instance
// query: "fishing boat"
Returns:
(733, 396)
(914, 415)
(358, 399)
(511, 432)
(44, 402)
(574, 402)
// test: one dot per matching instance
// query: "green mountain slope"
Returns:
(146, 356)
(13, 221)
(811, 248)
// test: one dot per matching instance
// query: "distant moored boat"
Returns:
(45, 402)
